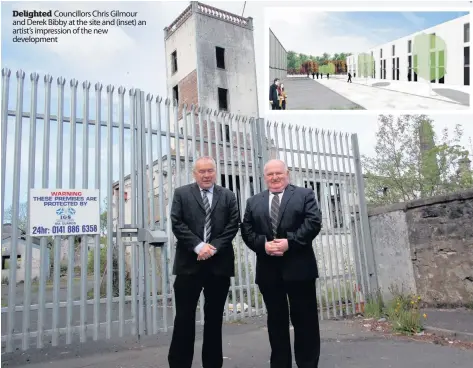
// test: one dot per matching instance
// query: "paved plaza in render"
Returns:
(372, 94)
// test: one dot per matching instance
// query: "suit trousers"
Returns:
(304, 316)
(187, 289)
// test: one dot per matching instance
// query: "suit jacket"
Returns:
(188, 221)
(300, 221)
(273, 94)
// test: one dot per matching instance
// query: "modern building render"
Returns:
(277, 58)
(395, 60)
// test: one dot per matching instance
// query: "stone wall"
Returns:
(426, 247)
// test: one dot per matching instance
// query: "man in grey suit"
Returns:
(205, 219)
(279, 226)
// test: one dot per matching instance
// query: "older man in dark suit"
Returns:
(205, 219)
(279, 226)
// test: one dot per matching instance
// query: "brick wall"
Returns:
(188, 93)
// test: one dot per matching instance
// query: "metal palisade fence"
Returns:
(136, 149)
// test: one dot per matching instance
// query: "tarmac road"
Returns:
(307, 94)
(344, 344)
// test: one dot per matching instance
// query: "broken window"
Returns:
(174, 62)
(175, 93)
(223, 99)
(220, 55)
(227, 132)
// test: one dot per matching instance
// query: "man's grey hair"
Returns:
(270, 161)
(204, 158)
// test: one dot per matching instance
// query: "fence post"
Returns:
(364, 224)
(261, 145)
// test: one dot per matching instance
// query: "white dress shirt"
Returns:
(209, 195)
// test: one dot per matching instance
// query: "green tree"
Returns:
(103, 218)
(292, 59)
(411, 162)
(331, 68)
(430, 55)
(22, 216)
(365, 65)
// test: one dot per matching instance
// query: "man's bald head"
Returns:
(276, 175)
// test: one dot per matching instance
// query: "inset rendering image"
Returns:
(369, 60)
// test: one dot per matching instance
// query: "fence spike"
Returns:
(73, 83)
(6, 72)
(159, 99)
(121, 90)
(98, 87)
(20, 74)
(34, 77)
(86, 85)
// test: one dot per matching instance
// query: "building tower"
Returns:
(210, 60)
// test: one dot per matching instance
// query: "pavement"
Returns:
(304, 94)
(456, 323)
(336, 93)
(345, 343)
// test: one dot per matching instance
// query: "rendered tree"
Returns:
(295, 62)
(410, 162)
(427, 65)
(365, 65)
(331, 68)
(292, 59)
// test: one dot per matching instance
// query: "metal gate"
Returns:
(136, 149)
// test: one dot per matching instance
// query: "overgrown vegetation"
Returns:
(402, 311)
(411, 162)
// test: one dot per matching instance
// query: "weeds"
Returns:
(374, 306)
(402, 311)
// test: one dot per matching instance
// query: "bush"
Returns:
(91, 261)
(63, 269)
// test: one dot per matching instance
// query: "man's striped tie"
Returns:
(208, 226)
(275, 212)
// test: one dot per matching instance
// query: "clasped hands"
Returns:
(277, 247)
(206, 252)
